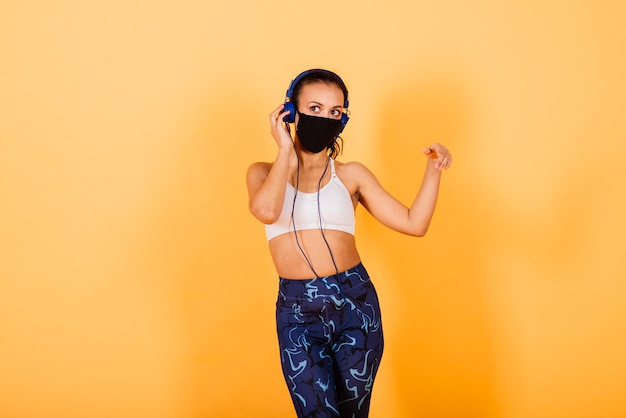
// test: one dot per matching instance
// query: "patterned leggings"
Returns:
(331, 343)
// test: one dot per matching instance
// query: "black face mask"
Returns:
(317, 133)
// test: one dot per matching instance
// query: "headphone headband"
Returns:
(303, 74)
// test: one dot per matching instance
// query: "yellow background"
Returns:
(134, 282)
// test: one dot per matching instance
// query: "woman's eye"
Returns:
(314, 108)
(336, 113)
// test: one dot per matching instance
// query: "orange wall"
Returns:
(134, 283)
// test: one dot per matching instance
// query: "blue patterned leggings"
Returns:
(331, 343)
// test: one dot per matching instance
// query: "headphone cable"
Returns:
(293, 219)
(319, 213)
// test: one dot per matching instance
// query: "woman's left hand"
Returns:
(440, 155)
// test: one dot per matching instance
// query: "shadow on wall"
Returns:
(437, 326)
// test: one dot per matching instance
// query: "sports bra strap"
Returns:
(332, 167)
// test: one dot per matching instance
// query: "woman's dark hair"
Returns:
(328, 77)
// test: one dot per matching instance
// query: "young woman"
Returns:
(328, 318)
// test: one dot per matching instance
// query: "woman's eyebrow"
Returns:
(322, 104)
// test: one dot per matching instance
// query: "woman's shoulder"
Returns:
(351, 168)
(354, 175)
(259, 168)
(261, 164)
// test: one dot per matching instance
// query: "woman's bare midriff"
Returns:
(291, 264)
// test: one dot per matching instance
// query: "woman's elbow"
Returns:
(417, 231)
(264, 214)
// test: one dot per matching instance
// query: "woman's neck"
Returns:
(309, 160)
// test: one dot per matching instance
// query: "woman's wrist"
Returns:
(284, 153)
(431, 167)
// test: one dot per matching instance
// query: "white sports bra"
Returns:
(335, 209)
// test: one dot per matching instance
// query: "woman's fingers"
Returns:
(276, 114)
(280, 129)
(441, 155)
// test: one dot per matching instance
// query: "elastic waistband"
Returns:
(347, 279)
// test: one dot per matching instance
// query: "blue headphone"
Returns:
(289, 105)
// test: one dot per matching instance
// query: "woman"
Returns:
(328, 317)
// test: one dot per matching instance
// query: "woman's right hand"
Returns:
(279, 129)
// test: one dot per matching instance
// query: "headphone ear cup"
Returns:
(344, 120)
(291, 117)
